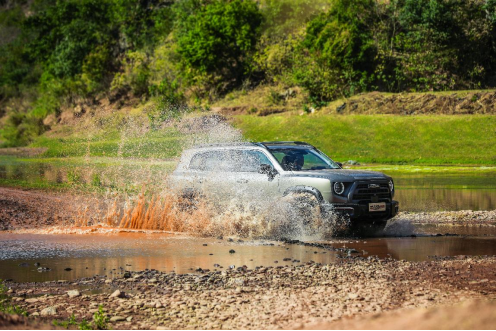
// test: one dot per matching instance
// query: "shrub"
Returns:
(218, 38)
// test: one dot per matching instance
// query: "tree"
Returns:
(218, 37)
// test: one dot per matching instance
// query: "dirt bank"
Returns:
(454, 103)
(268, 298)
(21, 209)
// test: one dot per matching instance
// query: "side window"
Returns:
(252, 160)
(197, 162)
(229, 161)
(311, 160)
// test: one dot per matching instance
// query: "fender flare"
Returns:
(305, 189)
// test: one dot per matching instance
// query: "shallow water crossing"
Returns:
(37, 258)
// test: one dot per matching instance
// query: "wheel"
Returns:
(302, 216)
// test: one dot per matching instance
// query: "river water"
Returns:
(88, 255)
(111, 255)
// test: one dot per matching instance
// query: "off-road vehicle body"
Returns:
(271, 170)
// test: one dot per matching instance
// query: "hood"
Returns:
(342, 175)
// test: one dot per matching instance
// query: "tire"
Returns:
(302, 216)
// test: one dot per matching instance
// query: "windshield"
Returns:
(297, 159)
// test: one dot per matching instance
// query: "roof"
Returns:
(265, 144)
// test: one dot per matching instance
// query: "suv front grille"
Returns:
(363, 192)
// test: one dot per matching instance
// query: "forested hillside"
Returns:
(58, 54)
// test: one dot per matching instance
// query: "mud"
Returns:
(24, 209)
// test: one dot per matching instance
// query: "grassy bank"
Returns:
(428, 139)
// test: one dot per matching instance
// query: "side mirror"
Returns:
(340, 164)
(265, 169)
(268, 170)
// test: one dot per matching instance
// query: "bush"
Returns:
(218, 38)
(341, 48)
(20, 129)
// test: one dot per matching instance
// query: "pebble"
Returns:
(118, 294)
(73, 293)
(49, 311)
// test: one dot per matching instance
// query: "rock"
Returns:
(49, 311)
(352, 296)
(153, 281)
(232, 251)
(35, 314)
(117, 319)
(31, 300)
(129, 319)
(205, 244)
(73, 293)
(68, 269)
(118, 294)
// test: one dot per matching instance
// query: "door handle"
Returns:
(242, 181)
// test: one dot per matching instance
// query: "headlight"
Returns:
(338, 188)
(391, 186)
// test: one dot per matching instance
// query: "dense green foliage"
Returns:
(56, 54)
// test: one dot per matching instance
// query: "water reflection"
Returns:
(111, 255)
(424, 248)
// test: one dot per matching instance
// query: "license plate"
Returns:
(379, 206)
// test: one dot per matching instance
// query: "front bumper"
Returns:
(360, 212)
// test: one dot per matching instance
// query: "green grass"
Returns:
(427, 139)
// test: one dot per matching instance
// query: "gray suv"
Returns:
(269, 170)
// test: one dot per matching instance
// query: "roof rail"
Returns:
(298, 143)
(238, 143)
